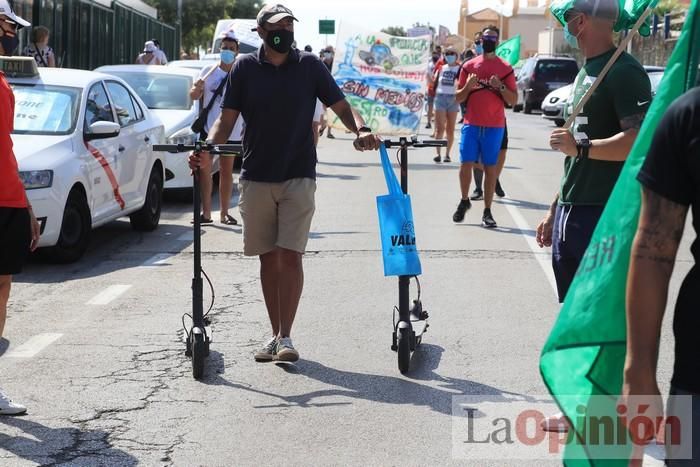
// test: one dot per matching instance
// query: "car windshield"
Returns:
(159, 90)
(557, 71)
(45, 110)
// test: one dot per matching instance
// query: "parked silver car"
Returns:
(554, 103)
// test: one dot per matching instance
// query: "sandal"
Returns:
(203, 220)
(229, 220)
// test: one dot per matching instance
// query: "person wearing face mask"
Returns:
(430, 79)
(149, 56)
(596, 146)
(486, 83)
(478, 46)
(275, 89)
(19, 229)
(211, 84)
(446, 106)
(39, 48)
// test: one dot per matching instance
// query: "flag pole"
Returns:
(599, 79)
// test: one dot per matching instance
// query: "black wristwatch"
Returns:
(583, 148)
(364, 129)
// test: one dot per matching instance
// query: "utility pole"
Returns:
(179, 26)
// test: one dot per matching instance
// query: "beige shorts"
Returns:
(276, 215)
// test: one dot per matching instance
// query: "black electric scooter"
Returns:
(197, 345)
(413, 320)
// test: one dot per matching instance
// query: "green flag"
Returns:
(584, 355)
(510, 50)
(630, 11)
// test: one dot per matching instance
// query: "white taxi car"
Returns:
(83, 146)
(165, 90)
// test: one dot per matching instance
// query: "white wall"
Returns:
(529, 27)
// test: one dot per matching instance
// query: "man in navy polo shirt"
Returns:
(275, 91)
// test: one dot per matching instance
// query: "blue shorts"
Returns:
(480, 144)
(446, 103)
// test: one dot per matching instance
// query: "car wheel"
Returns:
(147, 218)
(559, 122)
(76, 226)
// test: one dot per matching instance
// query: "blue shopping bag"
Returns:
(396, 226)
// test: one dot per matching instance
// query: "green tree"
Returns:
(395, 31)
(199, 18)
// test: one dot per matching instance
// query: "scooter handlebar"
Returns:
(234, 148)
(414, 142)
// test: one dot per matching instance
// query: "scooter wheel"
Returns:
(404, 349)
(199, 351)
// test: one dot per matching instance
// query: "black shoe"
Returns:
(437, 158)
(462, 208)
(499, 190)
(446, 159)
(477, 195)
(487, 220)
(428, 126)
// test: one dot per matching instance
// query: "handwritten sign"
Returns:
(383, 78)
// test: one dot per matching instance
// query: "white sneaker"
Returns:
(286, 351)
(7, 407)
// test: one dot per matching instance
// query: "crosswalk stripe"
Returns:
(33, 346)
(109, 294)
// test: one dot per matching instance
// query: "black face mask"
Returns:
(9, 44)
(489, 47)
(280, 40)
(435, 58)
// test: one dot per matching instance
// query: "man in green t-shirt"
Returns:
(598, 143)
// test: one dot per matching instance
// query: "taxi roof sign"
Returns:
(19, 67)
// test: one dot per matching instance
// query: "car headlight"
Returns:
(34, 179)
(183, 136)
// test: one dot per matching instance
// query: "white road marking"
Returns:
(33, 346)
(157, 260)
(106, 296)
(543, 259)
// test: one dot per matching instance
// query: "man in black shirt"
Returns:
(670, 179)
(275, 90)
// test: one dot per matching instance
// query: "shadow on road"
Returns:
(64, 446)
(398, 390)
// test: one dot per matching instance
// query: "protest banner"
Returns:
(383, 78)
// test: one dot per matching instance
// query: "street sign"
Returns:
(326, 26)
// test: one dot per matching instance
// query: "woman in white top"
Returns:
(39, 48)
(446, 106)
(149, 55)
(204, 90)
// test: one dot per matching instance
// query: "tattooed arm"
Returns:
(659, 233)
(617, 147)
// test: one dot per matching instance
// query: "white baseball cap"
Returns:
(149, 46)
(230, 35)
(9, 13)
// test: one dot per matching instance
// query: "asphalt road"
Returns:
(95, 350)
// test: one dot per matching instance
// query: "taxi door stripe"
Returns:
(110, 175)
